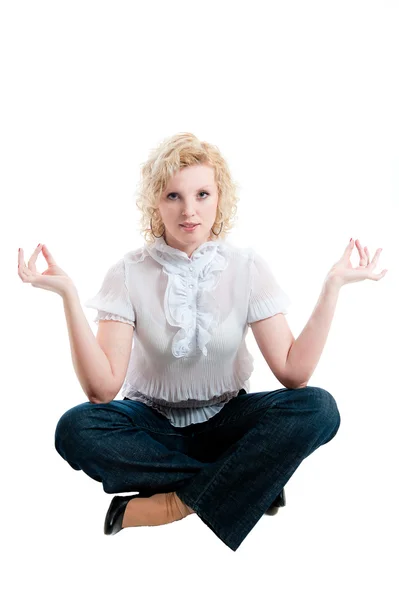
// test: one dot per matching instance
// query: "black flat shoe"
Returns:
(114, 516)
(275, 505)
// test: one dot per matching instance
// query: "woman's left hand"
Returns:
(342, 272)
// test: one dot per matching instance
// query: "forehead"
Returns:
(193, 177)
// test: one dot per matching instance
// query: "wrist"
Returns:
(68, 292)
(333, 283)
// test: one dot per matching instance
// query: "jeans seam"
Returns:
(225, 464)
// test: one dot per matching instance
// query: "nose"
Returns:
(188, 211)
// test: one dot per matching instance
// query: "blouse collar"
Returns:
(172, 258)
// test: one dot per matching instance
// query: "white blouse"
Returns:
(191, 317)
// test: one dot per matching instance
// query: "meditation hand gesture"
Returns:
(53, 279)
(342, 272)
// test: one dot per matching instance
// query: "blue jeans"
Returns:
(228, 469)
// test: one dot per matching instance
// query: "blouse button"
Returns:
(191, 285)
(191, 268)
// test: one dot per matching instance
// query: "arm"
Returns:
(305, 352)
(91, 364)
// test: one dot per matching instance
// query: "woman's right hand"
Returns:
(53, 279)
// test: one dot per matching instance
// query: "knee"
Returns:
(326, 408)
(68, 427)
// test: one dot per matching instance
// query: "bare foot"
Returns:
(183, 508)
(158, 509)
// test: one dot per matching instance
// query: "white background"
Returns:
(302, 100)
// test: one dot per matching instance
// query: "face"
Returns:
(191, 195)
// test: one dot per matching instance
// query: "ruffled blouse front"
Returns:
(188, 302)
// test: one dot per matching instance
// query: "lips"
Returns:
(190, 227)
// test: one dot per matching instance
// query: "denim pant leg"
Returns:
(254, 445)
(126, 445)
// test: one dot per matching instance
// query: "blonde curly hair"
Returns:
(174, 153)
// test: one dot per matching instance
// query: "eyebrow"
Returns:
(207, 185)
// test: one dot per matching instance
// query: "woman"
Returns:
(188, 435)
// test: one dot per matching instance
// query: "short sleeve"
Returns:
(266, 298)
(112, 301)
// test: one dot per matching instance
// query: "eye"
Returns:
(174, 194)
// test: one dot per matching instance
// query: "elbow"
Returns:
(97, 401)
(94, 401)
(104, 397)
(294, 386)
